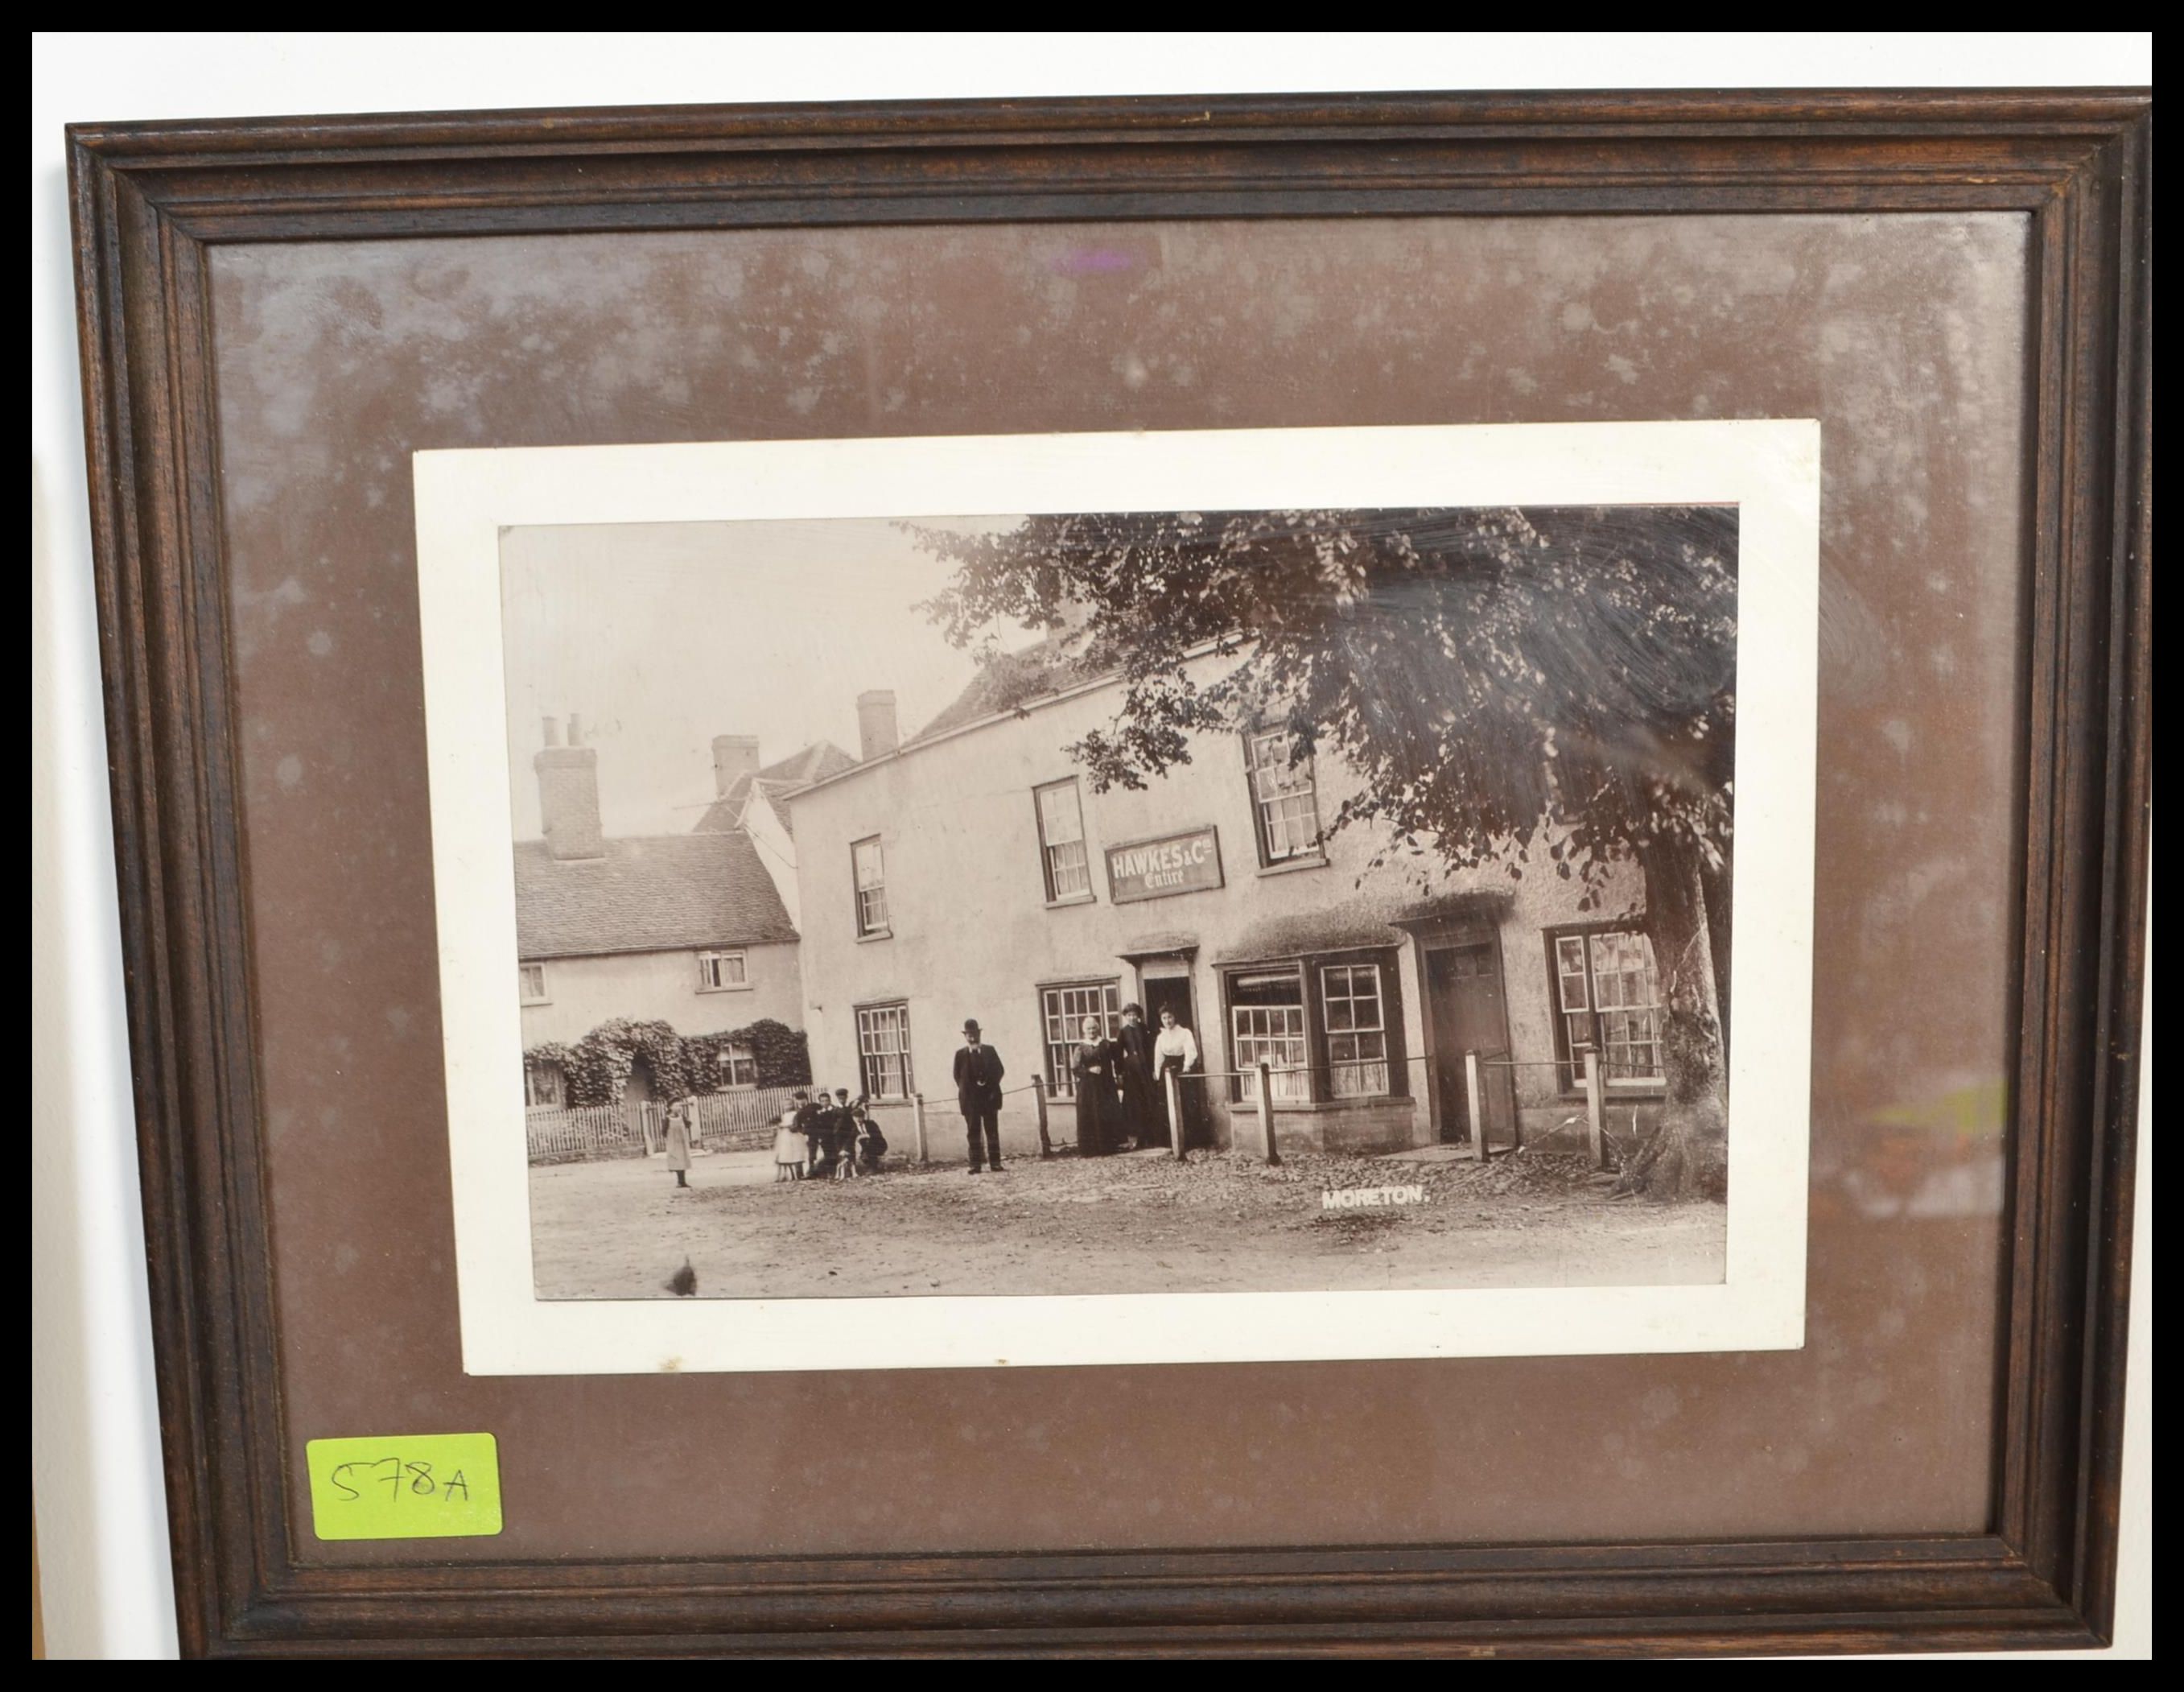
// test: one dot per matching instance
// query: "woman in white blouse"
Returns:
(1175, 1052)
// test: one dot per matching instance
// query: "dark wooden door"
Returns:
(1463, 999)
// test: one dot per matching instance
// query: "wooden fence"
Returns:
(740, 1121)
(724, 1122)
(564, 1136)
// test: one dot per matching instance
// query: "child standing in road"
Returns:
(679, 1135)
(788, 1146)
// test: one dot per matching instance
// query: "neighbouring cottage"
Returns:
(970, 871)
(690, 929)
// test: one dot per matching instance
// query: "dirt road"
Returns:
(1135, 1224)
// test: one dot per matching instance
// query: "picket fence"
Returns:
(724, 1122)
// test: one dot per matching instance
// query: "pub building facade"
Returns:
(972, 872)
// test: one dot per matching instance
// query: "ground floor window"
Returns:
(1356, 1030)
(1267, 1025)
(542, 1085)
(739, 1067)
(1062, 1011)
(883, 1051)
(1328, 1028)
(1608, 995)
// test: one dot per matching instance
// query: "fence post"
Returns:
(1039, 1103)
(1474, 1096)
(1174, 1088)
(1594, 1124)
(917, 1123)
(1267, 1115)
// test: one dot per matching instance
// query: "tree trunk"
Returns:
(1715, 882)
(1687, 1155)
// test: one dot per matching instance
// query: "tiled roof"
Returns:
(816, 763)
(1007, 682)
(726, 814)
(661, 894)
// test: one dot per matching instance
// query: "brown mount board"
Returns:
(1399, 1508)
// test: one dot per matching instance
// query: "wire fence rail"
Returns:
(1486, 1106)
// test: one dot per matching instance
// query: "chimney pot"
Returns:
(576, 729)
(735, 757)
(550, 731)
(876, 733)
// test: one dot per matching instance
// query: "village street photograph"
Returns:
(1178, 901)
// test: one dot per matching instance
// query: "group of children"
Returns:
(819, 1137)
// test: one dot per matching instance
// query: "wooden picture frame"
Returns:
(152, 201)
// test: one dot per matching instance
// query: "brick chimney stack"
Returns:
(735, 757)
(569, 794)
(877, 734)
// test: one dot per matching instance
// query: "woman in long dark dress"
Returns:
(1099, 1108)
(1144, 1119)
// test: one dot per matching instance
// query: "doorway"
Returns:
(1465, 1013)
(639, 1112)
(1172, 992)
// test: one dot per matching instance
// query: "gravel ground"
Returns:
(1141, 1223)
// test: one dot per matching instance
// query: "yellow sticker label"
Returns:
(426, 1486)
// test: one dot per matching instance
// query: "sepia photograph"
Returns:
(1303, 900)
(1298, 900)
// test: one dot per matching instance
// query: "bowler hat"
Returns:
(969, 1028)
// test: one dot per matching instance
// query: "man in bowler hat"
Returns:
(979, 1095)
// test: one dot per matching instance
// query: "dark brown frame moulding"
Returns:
(151, 200)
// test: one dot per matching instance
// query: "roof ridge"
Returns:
(798, 764)
(1001, 683)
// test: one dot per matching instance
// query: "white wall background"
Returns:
(95, 1438)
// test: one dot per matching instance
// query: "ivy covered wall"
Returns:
(597, 1069)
